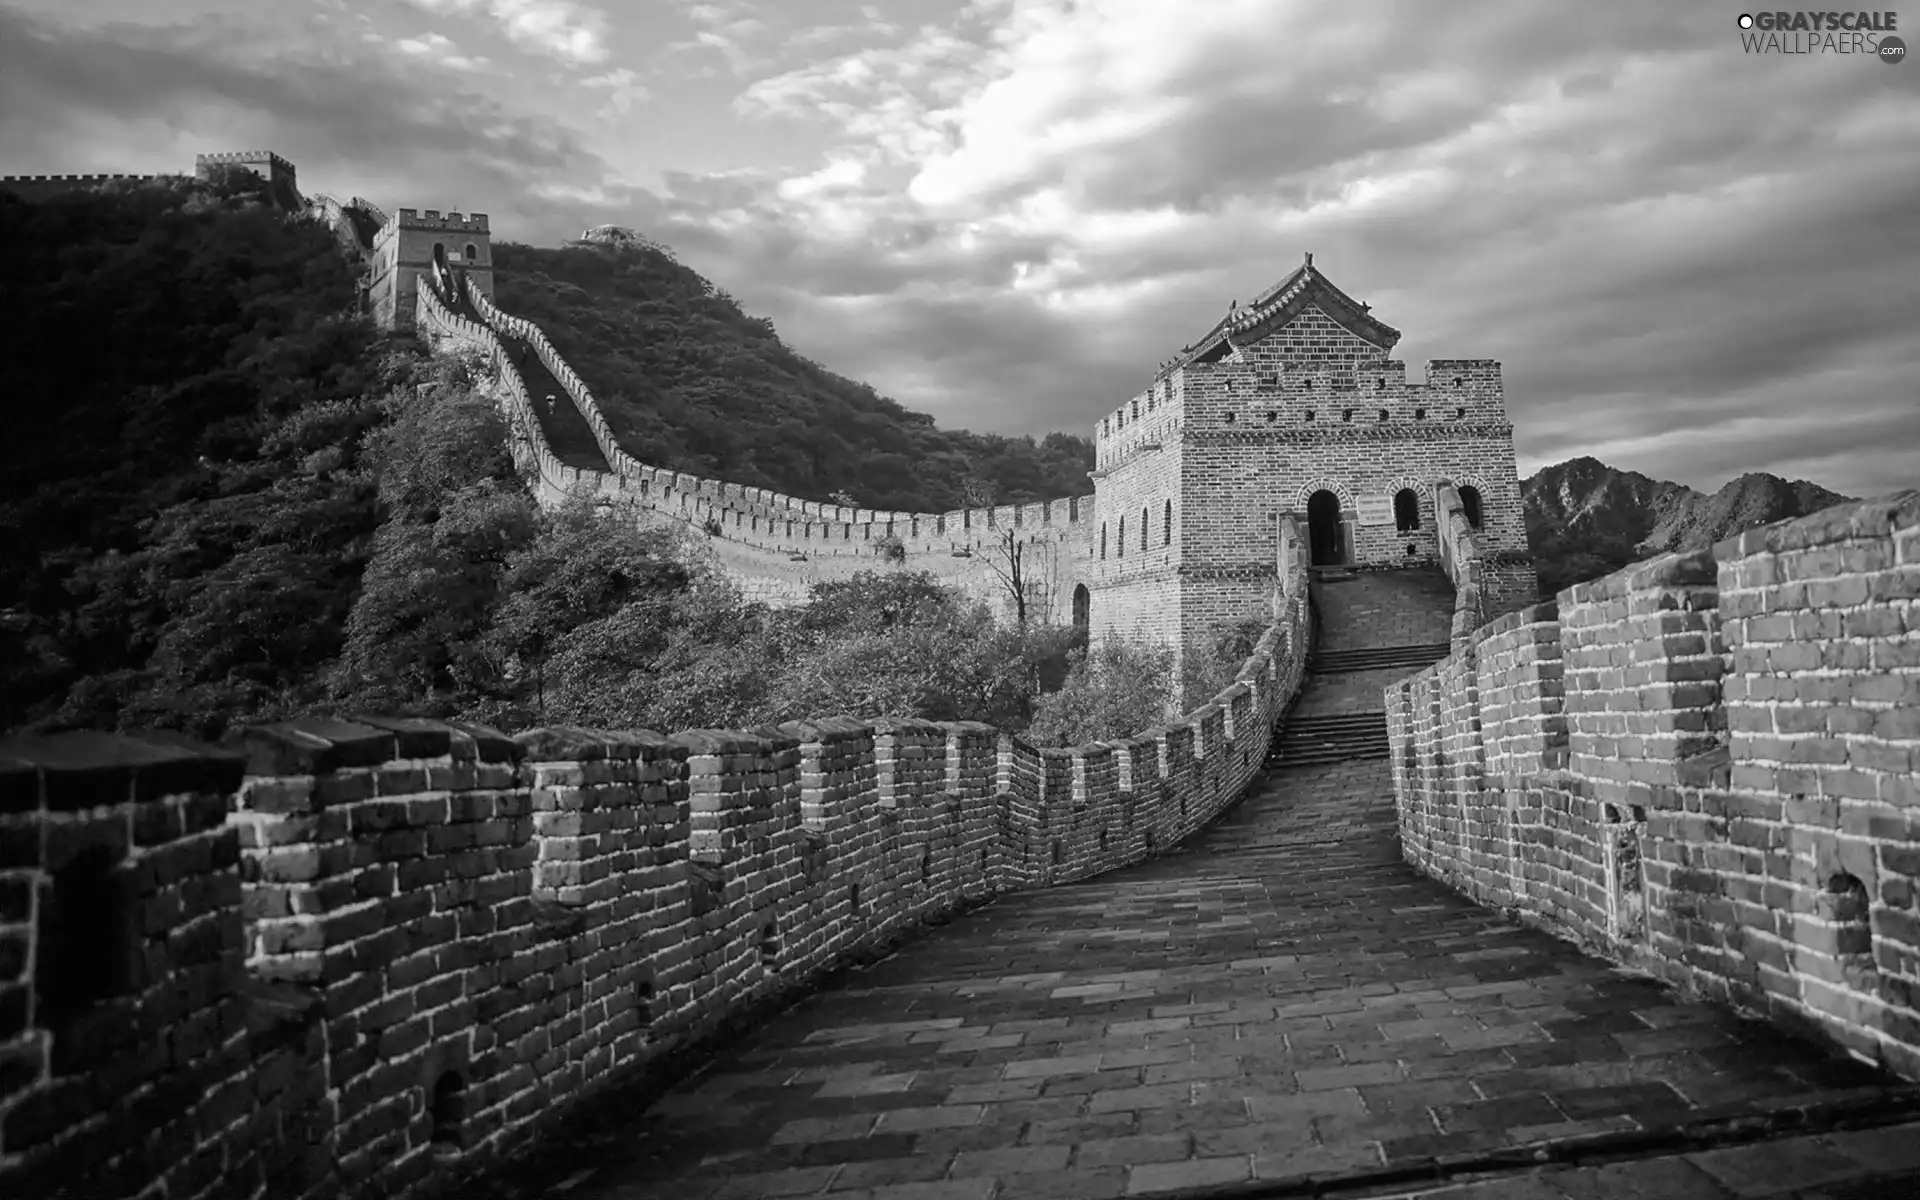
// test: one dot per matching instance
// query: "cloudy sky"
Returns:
(1693, 261)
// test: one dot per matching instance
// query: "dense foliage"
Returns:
(228, 498)
(184, 512)
(690, 382)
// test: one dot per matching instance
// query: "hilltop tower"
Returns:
(277, 171)
(409, 243)
(1291, 405)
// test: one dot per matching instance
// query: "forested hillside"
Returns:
(226, 497)
(690, 382)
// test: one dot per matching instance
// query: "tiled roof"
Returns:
(1279, 304)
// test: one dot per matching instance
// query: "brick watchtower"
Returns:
(408, 244)
(1290, 404)
(277, 171)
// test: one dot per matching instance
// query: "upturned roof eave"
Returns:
(1280, 304)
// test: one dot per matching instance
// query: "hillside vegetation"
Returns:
(226, 497)
(690, 382)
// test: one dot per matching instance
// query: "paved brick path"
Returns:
(1282, 997)
(1364, 609)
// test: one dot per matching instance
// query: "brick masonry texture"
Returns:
(1706, 765)
(1282, 998)
(365, 957)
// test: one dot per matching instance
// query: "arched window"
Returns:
(1470, 501)
(1103, 539)
(1143, 527)
(1082, 606)
(1166, 526)
(472, 253)
(1120, 543)
(1406, 510)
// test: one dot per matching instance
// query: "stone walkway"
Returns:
(1368, 609)
(1282, 997)
(1279, 999)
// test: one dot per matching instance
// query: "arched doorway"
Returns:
(1323, 530)
(442, 274)
(1082, 606)
(1470, 502)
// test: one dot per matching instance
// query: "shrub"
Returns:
(1116, 689)
(1205, 675)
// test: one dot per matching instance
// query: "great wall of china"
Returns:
(371, 957)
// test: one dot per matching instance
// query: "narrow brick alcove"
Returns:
(89, 953)
(1845, 902)
(447, 1108)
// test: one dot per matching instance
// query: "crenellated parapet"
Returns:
(364, 957)
(1307, 406)
(265, 162)
(35, 188)
(434, 221)
(1703, 765)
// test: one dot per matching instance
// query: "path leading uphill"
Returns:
(1281, 997)
(567, 432)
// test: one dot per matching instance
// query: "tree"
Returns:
(1007, 559)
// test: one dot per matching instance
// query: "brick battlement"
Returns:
(432, 219)
(277, 166)
(1455, 389)
(359, 958)
(1704, 765)
(71, 178)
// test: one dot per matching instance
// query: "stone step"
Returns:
(1344, 720)
(1330, 738)
(1377, 658)
(1321, 758)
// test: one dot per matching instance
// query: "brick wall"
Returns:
(361, 957)
(33, 188)
(1704, 764)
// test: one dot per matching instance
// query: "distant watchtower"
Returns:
(409, 243)
(1291, 405)
(266, 164)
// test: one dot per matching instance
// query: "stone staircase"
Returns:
(1412, 658)
(1330, 738)
(1371, 634)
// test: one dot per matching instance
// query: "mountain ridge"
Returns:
(1585, 518)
